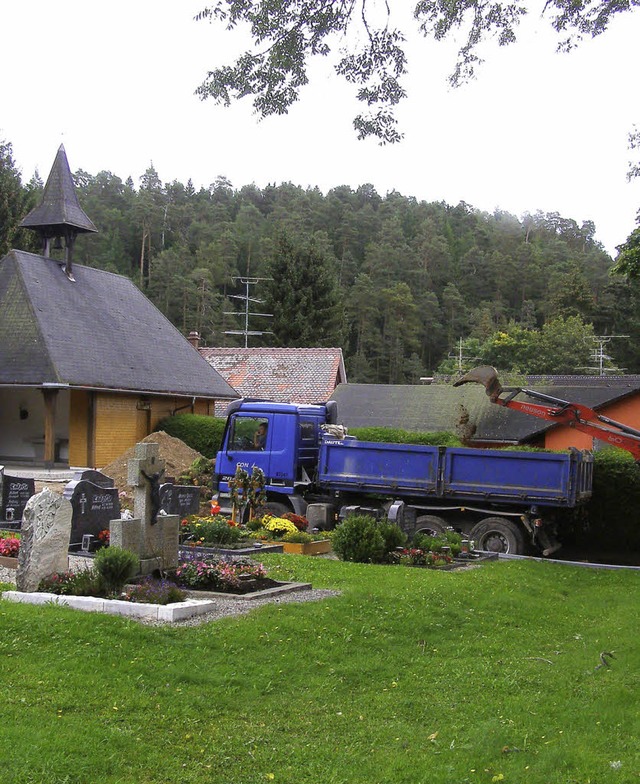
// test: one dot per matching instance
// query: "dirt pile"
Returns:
(177, 455)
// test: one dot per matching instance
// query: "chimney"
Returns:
(194, 338)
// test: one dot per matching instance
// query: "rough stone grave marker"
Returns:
(16, 491)
(153, 536)
(181, 500)
(94, 507)
(44, 539)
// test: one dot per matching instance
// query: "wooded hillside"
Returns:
(396, 282)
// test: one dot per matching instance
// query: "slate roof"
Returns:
(437, 407)
(99, 332)
(59, 206)
(284, 375)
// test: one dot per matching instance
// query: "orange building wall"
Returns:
(625, 411)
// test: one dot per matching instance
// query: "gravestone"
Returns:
(153, 536)
(96, 477)
(181, 500)
(94, 507)
(44, 539)
(16, 491)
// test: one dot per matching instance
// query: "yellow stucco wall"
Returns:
(78, 428)
(119, 421)
(119, 424)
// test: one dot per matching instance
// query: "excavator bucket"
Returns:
(485, 375)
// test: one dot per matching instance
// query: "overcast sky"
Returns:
(115, 84)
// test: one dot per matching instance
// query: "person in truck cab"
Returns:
(260, 436)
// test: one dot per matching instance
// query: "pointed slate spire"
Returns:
(59, 214)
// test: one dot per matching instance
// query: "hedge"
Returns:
(394, 435)
(613, 514)
(202, 433)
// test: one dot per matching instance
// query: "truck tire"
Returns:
(429, 524)
(276, 509)
(498, 535)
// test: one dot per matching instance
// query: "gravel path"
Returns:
(225, 608)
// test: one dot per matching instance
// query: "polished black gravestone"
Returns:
(16, 491)
(182, 500)
(93, 508)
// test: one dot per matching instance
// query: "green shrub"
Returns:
(200, 473)
(359, 538)
(115, 565)
(434, 544)
(202, 433)
(613, 514)
(393, 536)
(88, 582)
(394, 435)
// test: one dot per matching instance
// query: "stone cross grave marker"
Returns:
(44, 539)
(151, 535)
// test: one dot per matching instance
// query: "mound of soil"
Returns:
(177, 455)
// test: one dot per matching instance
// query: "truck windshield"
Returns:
(249, 433)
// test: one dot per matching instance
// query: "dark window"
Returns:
(307, 431)
(249, 433)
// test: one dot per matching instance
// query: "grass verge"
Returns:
(486, 675)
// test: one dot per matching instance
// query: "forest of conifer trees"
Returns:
(406, 288)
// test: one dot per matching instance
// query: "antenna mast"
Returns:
(246, 282)
(600, 357)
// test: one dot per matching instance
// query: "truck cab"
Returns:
(281, 439)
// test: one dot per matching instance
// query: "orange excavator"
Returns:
(575, 415)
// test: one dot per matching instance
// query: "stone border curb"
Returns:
(168, 613)
(265, 594)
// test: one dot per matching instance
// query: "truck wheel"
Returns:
(498, 535)
(429, 524)
(276, 509)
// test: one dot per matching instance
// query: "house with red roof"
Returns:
(284, 375)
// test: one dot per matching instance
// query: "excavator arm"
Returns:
(575, 415)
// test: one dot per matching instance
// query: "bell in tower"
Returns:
(59, 216)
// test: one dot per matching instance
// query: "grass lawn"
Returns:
(485, 675)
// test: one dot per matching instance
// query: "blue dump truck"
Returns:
(502, 500)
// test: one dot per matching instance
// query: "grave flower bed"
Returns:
(415, 556)
(290, 531)
(9, 549)
(214, 531)
(223, 576)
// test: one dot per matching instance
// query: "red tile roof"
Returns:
(300, 375)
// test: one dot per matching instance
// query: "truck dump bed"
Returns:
(456, 474)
